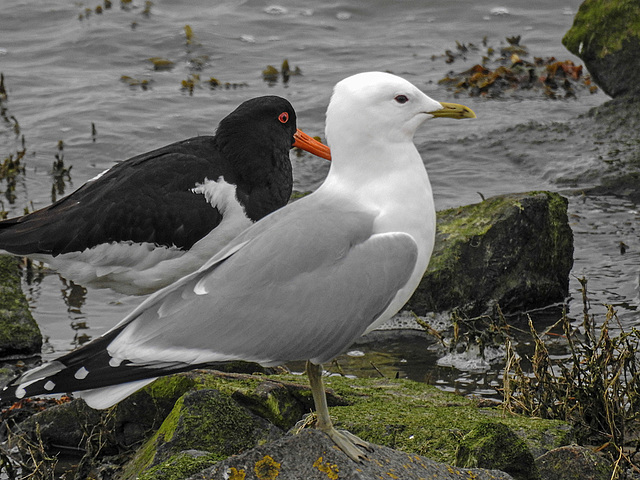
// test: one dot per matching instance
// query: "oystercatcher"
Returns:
(152, 219)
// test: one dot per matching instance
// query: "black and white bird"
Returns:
(302, 283)
(152, 219)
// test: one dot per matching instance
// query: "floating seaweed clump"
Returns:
(215, 84)
(135, 82)
(511, 71)
(126, 5)
(160, 63)
(192, 81)
(271, 73)
(60, 173)
(10, 168)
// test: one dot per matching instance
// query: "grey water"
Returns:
(63, 65)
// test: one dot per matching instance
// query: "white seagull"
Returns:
(301, 284)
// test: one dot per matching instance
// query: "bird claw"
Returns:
(349, 443)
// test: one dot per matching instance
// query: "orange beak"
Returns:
(311, 145)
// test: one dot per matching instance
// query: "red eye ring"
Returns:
(283, 117)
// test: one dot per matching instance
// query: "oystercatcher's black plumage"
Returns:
(158, 216)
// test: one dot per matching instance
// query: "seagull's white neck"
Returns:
(388, 179)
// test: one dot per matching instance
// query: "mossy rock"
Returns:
(606, 36)
(311, 455)
(71, 427)
(513, 250)
(281, 402)
(203, 420)
(181, 466)
(574, 463)
(493, 445)
(421, 419)
(19, 332)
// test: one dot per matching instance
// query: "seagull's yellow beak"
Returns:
(453, 110)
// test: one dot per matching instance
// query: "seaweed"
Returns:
(511, 71)
(60, 173)
(160, 63)
(271, 74)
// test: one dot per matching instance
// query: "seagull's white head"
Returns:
(380, 106)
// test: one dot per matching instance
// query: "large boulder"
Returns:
(513, 250)
(312, 455)
(606, 36)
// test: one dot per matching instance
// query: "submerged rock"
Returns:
(606, 36)
(514, 250)
(19, 332)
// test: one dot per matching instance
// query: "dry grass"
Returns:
(597, 388)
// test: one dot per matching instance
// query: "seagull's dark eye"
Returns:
(401, 99)
(283, 117)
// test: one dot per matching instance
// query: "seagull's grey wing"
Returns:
(272, 305)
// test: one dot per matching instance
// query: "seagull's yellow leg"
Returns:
(346, 441)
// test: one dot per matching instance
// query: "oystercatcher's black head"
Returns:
(262, 124)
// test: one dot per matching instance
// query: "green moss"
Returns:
(215, 423)
(601, 26)
(19, 333)
(401, 414)
(206, 420)
(180, 466)
(418, 418)
(457, 226)
(145, 455)
(171, 386)
(493, 445)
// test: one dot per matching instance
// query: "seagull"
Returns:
(302, 283)
(152, 219)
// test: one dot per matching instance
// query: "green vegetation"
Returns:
(596, 389)
(601, 27)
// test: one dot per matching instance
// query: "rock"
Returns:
(73, 430)
(19, 333)
(512, 250)
(494, 445)
(181, 465)
(399, 414)
(67, 426)
(204, 420)
(229, 414)
(606, 36)
(573, 463)
(62, 427)
(312, 455)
